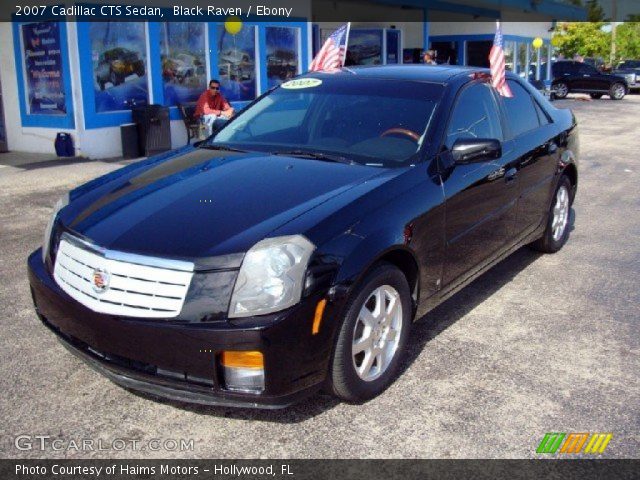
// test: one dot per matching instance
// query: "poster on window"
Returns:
(183, 57)
(119, 57)
(237, 63)
(43, 69)
(365, 47)
(282, 54)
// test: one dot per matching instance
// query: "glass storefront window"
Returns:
(183, 58)
(283, 54)
(446, 52)
(365, 47)
(509, 55)
(237, 63)
(478, 53)
(523, 59)
(44, 82)
(119, 56)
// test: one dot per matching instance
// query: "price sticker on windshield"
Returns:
(301, 83)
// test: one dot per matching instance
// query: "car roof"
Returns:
(414, 72)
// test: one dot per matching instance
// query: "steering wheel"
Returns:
(401, 131)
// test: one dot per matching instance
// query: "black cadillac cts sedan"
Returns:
(293, 249)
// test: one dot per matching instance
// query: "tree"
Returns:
(628, 41)
(587, 39)
(595, 13)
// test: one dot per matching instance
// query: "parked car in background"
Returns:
(578, 77)
(630, 69)
(117, 64)
(293, 249)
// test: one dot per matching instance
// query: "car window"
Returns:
(284, 115)
(520, 110)
(543, 118)
(586, 69)
(369, 121)
(559, 68)
(474, 116)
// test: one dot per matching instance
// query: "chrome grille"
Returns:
(134, 285)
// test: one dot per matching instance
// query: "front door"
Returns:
(537, 156)
(3, 128)
(480, 197)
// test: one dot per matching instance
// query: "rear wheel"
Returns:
(617, 91)
(557, 231)
(561, 90)
(372, 337)
(596, 96)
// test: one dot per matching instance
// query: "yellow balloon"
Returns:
(233, 25)
(537, 42)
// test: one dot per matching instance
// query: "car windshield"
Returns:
(372, 121)
(630, 64)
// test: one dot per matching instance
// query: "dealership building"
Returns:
(84, 78)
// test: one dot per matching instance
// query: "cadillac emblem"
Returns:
(100, 280)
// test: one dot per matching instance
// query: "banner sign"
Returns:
(43, 69)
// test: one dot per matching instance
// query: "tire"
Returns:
(555, 236)
(348, 378)
(596, 96)
(617, 91)
(561, 90)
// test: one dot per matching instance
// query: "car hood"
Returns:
(202, 203)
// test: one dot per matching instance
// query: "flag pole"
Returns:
(346, 43)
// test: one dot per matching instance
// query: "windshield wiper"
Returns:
(226, 148)
(315, 155)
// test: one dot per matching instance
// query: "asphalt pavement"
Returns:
(541, 343)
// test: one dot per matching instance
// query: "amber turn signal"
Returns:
(317, 318)
(238, 359)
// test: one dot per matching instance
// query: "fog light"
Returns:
(243, 371)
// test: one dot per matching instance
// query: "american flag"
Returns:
(496, 59)
(332, 54)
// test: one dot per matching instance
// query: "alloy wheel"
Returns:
(376, 333)
(560, 213)
(618, 91)
(562, 90)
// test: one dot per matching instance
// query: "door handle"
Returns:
(510, 175)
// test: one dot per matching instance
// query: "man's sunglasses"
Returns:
(214, 88)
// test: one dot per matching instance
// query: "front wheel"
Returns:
(617, 91)
(561, 90)
(557, 231)
(372, 337)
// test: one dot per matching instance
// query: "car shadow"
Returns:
(424, 330)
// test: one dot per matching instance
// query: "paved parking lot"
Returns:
(538, 344)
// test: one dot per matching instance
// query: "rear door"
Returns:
(590, 79)
(480, 197)
(570, 74)
(531, 134)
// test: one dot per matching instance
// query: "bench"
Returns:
(190, 122)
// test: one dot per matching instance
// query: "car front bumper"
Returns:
(180, 361)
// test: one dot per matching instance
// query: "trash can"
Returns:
(129, 138)
(154, 129)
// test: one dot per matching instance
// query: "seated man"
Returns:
(212, 106)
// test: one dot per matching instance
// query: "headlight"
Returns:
(271, 277)
(60, 204)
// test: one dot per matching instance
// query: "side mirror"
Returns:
(472, 150)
